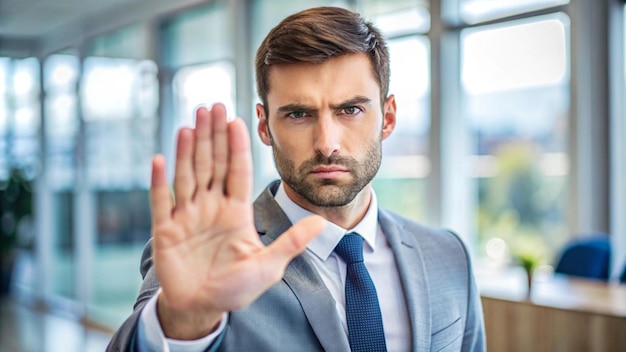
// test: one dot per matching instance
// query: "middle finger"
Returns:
(203, 156)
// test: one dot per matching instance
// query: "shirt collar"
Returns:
(324, 244)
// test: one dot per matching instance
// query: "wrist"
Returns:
(190, 324)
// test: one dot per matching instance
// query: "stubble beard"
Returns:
(329, 192)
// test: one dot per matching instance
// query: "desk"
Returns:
(561, 314)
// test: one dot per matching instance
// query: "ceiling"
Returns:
(44, 25)
(34, 18)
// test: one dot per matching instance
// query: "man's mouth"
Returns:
(329, 171)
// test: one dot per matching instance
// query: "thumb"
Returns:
(294, 241)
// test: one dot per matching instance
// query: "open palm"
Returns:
(207, 254)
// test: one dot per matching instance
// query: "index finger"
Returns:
(160, 197)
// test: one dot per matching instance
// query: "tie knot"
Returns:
(350, 248)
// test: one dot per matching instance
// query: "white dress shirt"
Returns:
(378, 258)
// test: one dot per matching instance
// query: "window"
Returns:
(474, 11)
(618, 155)
(24, 115)
(203, 85)
(120, 98)
(4, 116)
(198, 36)
(515, 80)
(60, 79)
(397, 18)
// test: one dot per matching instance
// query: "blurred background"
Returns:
(511, 132)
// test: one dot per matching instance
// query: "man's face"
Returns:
(325, 126)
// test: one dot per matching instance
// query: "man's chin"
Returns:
(327, 182)
(329, 196)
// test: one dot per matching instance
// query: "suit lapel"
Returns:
(413, 276)
(301, 276)
(316, 302)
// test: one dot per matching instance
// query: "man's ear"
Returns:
(389, 116)
(262, 127)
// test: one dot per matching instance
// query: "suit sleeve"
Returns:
(124, 338)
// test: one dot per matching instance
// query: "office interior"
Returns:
(511, 132)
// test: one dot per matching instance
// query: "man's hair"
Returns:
(316, 35)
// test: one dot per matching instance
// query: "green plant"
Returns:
(528, 261)
(529, 252)
(16, 205)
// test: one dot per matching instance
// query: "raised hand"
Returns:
(207, 254)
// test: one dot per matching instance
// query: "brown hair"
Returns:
(316, 35)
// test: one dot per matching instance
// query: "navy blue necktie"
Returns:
(365, 322)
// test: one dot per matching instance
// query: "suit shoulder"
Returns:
(429, 237)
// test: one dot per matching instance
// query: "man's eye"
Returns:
(351, 110)
(297, 114)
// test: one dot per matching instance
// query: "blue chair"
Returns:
(622, 278)
(587, 257)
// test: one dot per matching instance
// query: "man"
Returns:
(222, 275)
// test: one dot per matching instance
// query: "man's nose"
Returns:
(326, 136)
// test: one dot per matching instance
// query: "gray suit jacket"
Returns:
(298, 313)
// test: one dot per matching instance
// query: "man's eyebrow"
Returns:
(357, 100)
(294, 107)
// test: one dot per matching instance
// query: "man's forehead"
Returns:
(345, 59)
(337, 79)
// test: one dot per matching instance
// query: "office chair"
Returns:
(587, 257)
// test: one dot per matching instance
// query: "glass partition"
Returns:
(61, 72)
(119, 99)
